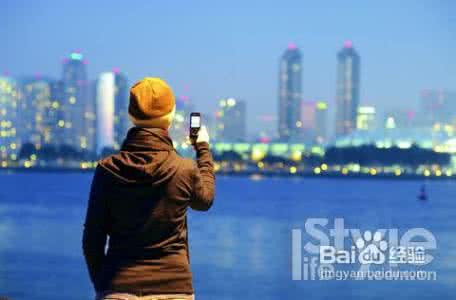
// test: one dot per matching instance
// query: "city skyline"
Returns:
(72, 99)
(60, 121)
(235, 61)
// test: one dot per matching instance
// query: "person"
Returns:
(139, 199)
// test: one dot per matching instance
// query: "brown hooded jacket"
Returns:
(139, 199)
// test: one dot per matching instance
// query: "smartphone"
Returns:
(195, 124)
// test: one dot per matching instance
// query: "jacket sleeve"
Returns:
(95, 232)
(203, 179)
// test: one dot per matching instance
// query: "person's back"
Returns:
(139, 198)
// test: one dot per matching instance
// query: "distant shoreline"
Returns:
(329, 174)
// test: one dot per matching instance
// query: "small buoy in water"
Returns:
(422, 195)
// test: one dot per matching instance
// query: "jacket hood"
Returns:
(146, 156)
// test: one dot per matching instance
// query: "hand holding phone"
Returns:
(195, 125)
(198, 133)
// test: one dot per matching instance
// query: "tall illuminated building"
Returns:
(10, 100)
(106, 89)
(289, 127)
(121, 98)
(40, 112)
(366, 118)
(231, 120)
(36, 123)
(78, 109)
(347, 91)
(112, 123)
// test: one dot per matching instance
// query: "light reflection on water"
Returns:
(240, 249)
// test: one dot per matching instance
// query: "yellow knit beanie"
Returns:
(152, 103)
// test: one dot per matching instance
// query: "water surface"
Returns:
(240, 249)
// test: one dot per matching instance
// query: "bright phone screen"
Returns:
(195, 122)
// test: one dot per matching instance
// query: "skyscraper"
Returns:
(290, 94)
(9, 102)
(121, 120)
(347, 91)
(111, 110)
(77, 108)
(106, 89)
(36, 124)
(231, 120)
